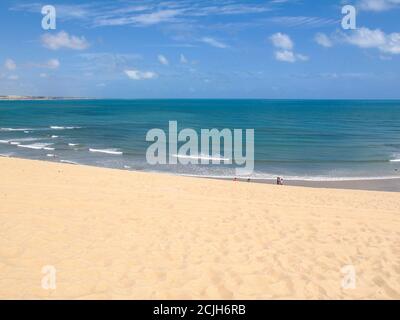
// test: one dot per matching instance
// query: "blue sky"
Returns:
(201, 49)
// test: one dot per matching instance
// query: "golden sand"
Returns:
(124, 235)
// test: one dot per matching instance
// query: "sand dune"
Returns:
(123, 235)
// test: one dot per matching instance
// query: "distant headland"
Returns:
(17, 98)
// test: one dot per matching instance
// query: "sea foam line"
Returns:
(107, 151)
(69, 162)
(16, 129)
(25, 139)
(63, 128)
(37, 146)
(200, 157)
(18, 141)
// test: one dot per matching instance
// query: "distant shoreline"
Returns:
(38, 98)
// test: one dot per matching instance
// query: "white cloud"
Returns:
(10, 64)
(215, 43)
(52, 64)
(13, 77)
(303, 21)
(346, 75)
(106, 62)
(144, 19)
(367, 38)
(64, 40)
(140, 75)
(289, 56)
(302, 57)
(323, 40)
(282, 41)
(163, 60)
(286, 56)
(150, 12)
(284, 46)
(156, 17)
(183, 59)
(378, 5)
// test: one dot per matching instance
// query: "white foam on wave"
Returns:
(107, 151)
(54, 136)
(395, 160)
(37, 146)
(69, 162)
(15, 129)
(28, 139)
(72, 144)
(18, 141)
(63, 128)
(201, 157)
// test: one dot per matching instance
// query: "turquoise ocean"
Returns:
(312, 140)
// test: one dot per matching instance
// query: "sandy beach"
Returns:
(113, 234)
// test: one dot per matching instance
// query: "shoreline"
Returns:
(111, 234)
(382, 184)
(32, 98)
(386, 185)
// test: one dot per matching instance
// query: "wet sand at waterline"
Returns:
(114, 234)
(392, 185)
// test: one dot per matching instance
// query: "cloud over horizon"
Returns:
(163, 60)
(284, 48)
(378, 5)
(64, 40)
(377, 39)
(140, 75)
(10, 64)
(323, 40)
(214, 42)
